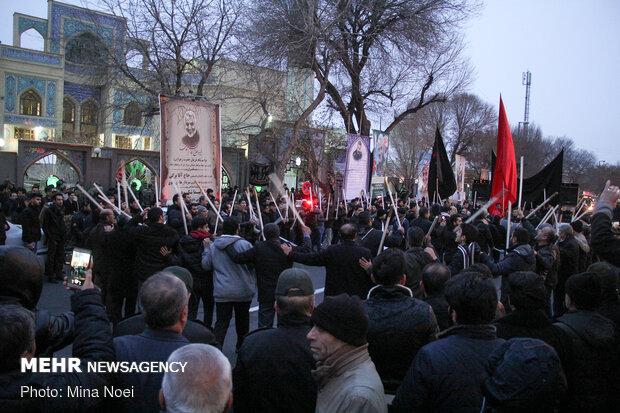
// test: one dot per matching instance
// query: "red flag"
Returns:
(505, 174)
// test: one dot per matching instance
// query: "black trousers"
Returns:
(224, 315)
(203, 290)
(55, 259)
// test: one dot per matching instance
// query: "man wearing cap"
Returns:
(347, 378)
(282, 354)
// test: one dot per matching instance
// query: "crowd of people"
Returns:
(424, 309)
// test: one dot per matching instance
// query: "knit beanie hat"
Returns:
(527, 290)
(584, 290)
(344, 317)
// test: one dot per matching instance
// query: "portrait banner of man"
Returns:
(357, 166)
(381, 140)
(191, 147)
(423, 165)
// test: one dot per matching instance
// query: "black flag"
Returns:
(440, 174)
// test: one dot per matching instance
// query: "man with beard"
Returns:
(31, 226)
(192, 139)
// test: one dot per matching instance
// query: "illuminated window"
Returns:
(89, 113)
(68, 111)
(30, 103)
(147, 143)
(24, 133)
(123, 142)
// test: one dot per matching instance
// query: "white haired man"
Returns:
(205, 386)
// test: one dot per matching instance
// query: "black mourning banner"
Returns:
(259, 174)
(440, 174)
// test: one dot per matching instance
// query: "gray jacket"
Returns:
(231, 282)
(350, 384)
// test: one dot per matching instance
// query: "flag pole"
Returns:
(508, 226)
(520, 184)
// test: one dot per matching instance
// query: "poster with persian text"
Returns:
(357, 166)
(191, 147)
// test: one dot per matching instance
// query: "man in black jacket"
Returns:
(547, 261)
(269, 261)
(594, 377)
(21, 282)
(417, 258)
(433, 285)
(282, 354)
(175, 215)
(399, 324)
(608, 278)
(604, 242)
(164, 300)
(31, 226)
(422, 220)
(529, 318)
(367, 236)
(446, 374)
(154, 242)
(93, 343)
(53, 225)
(191, 247)
(343, 273)
(569, 262)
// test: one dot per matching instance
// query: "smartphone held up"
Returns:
(80, 262)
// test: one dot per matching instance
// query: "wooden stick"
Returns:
(107, 201)
(577, 213)
(547, 216)
(344, 198)
(90, 198)
(337, 207)
(209, 201)
(156, 193)
(278, 184)
(124, 181)
(274, 201)
(508, 226)
(182, 204)
(433, 225)
(387, 184)
(385, 231)
(586, 212)
(118, 194)
(531, 214)
(260, 215)
(475, 195)
(484, 207)
(134, 198)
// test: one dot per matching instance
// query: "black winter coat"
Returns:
(416, 259)
(53, 223)
(441, 309)
(174, 219)
(93, 342)
(603, 240)
(273, 370)
(399, 326)
(536, 324)
(594, 379)
(446, 374)
(343, 273)
(569, 258)
(194, 330)
(519, 258)
(149, 239)
(370, 238)
(31, 226)
(269, 261)
(548, 264)
(190, 254)
(422, 223)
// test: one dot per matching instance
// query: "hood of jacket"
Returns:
(592, 328)
(526, 252)
(190, 244)
(224, 241)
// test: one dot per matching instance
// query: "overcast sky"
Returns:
(571, 47)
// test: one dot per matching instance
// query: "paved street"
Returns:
(56, 299)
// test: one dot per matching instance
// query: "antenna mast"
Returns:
(527, 81)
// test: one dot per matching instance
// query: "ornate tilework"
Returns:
(110, 28)
(9, 100)
(24, 83)
(31, 56)
(30, 121)
(24, 23)
(132, 130)
(82, 92)
(50, 102)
